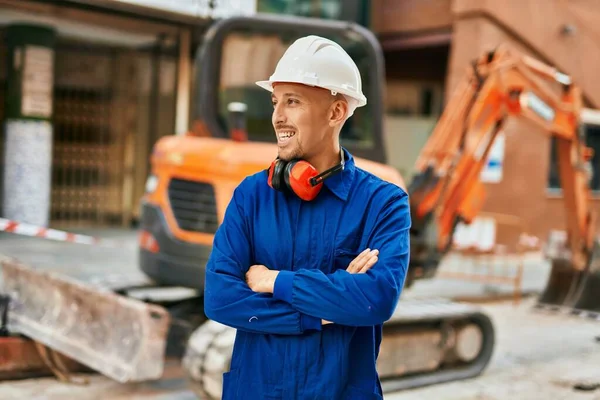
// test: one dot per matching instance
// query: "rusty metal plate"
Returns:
(19, 358)
(122, 338)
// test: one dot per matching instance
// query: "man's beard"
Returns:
(296, 153)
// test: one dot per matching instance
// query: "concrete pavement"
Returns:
(84, 262)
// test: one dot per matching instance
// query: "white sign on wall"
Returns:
(492, 170)
(201, 8)
(38, 76)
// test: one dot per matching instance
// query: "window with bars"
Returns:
(592, 135)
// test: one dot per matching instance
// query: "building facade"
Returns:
(429, 44)
(123, 77)
(98, 83)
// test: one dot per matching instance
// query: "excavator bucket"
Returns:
(568, 289)
(586, 297)
(562, 282)
(119, 337)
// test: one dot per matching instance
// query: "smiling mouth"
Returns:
(283, 137)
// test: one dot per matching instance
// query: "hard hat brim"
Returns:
(268, 85)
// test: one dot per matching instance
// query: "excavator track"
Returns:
(425, 342)
(433, 341)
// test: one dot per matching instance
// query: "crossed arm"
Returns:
(283, 302)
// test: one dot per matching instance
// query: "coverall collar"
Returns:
(340, 183)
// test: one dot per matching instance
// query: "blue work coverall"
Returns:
(281, 349)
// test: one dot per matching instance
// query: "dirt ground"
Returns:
(537, 355)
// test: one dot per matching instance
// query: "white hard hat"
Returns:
(316, 61)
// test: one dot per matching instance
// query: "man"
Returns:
(308, 270)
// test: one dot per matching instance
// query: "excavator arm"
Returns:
(501, 84)
(447, 187)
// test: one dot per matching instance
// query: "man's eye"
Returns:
(293, 101)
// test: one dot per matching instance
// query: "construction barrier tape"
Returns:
(19, 228)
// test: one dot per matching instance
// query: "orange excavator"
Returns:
(194, 175)
(447, 188)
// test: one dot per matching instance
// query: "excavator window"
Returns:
(592, 140)
(237, 52)
(249, 56)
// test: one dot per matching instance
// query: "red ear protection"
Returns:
(295, 177)
(276, 175)
(299, 177)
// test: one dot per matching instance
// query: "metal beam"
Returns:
(182, 112)
(75, 14)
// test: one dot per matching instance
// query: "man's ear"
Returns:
(338, 112)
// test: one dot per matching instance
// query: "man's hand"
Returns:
(363, 262)
(261, 279)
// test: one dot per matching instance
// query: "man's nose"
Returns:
(278, 115)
